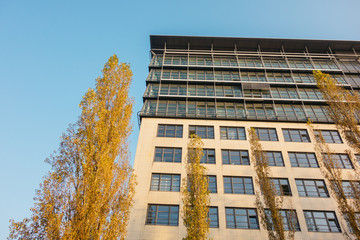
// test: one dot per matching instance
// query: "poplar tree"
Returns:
(332, 172)
(195, 193)
(344, 111)
(269, 201)
(344, 107)
(89, 190)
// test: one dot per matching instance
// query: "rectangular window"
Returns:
(170, 131)
(296, 135)
(232, 133)
(329, 136)
(289, 217)
(303, 159)
(282, 186)
(311, 188)
(202, 131)
(357, 220)
(340, 160)
(275, 159)
(162, 215)
(165, 154)
(318, 221)
(349, 188)
(235, 157)
(214, 217)
(243, 218)
(238, 185)
(212, 184)
(266, 134)
(165, 182)
(208, 156)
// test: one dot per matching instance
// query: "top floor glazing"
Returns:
(232, 53)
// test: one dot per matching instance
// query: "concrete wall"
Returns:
(144, 166)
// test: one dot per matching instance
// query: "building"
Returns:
(218, 88)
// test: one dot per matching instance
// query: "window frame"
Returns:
(177, 129)
(232, 161)
(290, 135)
(210, 178)
(212, 214)
(297, 162)
(274, 162)
(242, 185)
(340, 161)
(239, 131)
(308, 187)
(205, 159)
(235, 218)
(330, 137)
(162, 180)
(209, 131)
(285, 214)
(316, 225)
(157, 213)
(176, 154)
(269, 135)
(280, 186)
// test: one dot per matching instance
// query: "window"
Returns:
(282, 186)
(214, 217)
(238, 185)
(340, 160)
(208, 156)
(165, 182)
(232, 133)
(243, 218)
(357, 220)
(329, 136)
(235, 157)
(212, 184)
(202, 131)
(296, 135)
(311, 188)
(350, 188)
(165, 154)
(290, 219)
(170, 131)
(266, 134)
(303, 159)
(162, 215)
(317, 221)
(275, 159)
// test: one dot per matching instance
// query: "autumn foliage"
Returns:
(268, 201)
(89, 190)
(344, 111)
(195, 193)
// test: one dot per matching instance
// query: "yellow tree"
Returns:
(345, 112)
(89, 190)
(333, 174)
(195, 193)
(344, 107)
(268, 201)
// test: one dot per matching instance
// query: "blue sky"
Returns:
(52, 51)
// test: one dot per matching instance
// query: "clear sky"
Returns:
(52, 51)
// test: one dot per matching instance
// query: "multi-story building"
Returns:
(218, 88)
